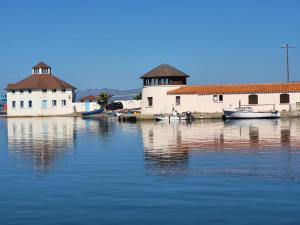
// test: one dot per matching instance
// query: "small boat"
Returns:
(97, 111)
(249, 113)
(175, 117)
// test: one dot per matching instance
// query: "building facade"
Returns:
(40, 94)
(164, 97)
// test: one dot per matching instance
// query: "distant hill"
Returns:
(117, 94)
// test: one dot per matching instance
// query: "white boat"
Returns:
(248, 113)
(175, 117)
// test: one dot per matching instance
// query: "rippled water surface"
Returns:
(74, 171)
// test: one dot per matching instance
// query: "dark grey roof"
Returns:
(164, 70)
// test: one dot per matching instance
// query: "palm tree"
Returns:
(103, 99)
(138, 96)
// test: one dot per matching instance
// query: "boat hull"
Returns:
(92, 112)
(250, 115)
(169, 118)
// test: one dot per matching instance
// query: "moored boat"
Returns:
(97, 111)
(249, 113)
(175, 117)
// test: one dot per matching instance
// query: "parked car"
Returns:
(114, 106)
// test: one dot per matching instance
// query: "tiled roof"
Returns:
(88, 98)
(40, 81)
(164, 70)
(237, 88)
(41, 65)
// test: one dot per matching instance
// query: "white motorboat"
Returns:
(249, 113)
(175, 117)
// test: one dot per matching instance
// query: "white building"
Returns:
(165, 89)
(40, 94)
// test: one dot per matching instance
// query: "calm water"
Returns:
(73, 171)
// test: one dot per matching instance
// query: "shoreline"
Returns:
(148, 117)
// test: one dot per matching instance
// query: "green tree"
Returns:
(103, 99)
(138, 96)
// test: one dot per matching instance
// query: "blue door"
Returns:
(87, 106)
(44, 104)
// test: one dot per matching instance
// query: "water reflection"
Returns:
(168, 146)
(43, 140)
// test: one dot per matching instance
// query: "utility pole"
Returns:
(287, 47)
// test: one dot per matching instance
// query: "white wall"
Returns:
(130, 104)
(37, 96)
(80, 106)
(163, 103)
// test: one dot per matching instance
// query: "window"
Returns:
(284, 98)
(63, 90)
(44, 90)
(54, 90)
(64, 103)
(29, 104)
(218, 98)
(54, 103)
(29, 91)
(14, 104)
(13, 91)
(177, 100)
(21, 104)
(215, 98)
(150, 101)
(253, 99)
(44, 104)
(21, 91)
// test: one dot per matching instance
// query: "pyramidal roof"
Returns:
(38, 81)
(41, 65)
(164, 70)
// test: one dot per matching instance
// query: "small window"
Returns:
(13, 91)
(21, 91)
(64, 103)
(284, 98)
(29, 104)
(21, 104)
(44, 90)
(150, 101)
(54, 90)
(215, 98)
(14, 104)
(54, 103)
(29, 91)
(253, 99)
(220, 98)
(177, 100)
(63, 90)
(44, 104)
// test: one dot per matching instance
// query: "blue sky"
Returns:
(94, 44)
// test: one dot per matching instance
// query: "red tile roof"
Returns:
(88, 98)
(237, 89)
(40, 81)
(41, 65)
(164, 70)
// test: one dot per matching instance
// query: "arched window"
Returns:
(253, 99)
(284, 98)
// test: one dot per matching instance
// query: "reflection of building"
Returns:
(165, 89)
(44, 139)
(173, 143)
